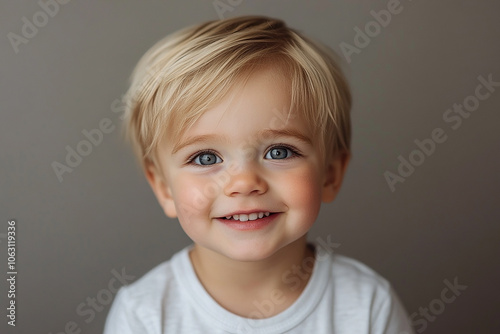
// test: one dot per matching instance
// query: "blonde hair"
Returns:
(189, 71)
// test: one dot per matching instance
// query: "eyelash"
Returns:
(191, 158)
(295, 153)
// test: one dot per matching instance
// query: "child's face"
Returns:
(244, 156)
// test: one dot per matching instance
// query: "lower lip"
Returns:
(250, 225)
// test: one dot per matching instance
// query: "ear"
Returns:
(335, 170)
(161, 190)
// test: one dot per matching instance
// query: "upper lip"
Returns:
(245, 212)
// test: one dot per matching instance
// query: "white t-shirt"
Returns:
(342, 296)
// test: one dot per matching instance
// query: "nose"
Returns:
(245, 181)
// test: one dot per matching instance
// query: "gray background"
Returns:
(441, 223)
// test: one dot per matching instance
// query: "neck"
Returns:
(237, 285)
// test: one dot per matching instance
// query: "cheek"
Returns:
(303, 192)
(192, 198)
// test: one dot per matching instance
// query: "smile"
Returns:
(246, 217)
(249, 222)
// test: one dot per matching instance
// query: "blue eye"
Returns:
(279, 152)
(206, 159)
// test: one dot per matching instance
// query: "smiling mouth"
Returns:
(248, 217)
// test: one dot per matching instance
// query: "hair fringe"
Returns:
(188, 71)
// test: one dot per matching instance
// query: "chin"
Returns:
(251, 253)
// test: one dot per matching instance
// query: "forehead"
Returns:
(262, 100)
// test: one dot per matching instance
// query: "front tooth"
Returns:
(261, 214)
(236, 217)
(252, 216)
(267, 214)
(243, 217)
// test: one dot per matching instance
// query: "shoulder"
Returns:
(359, 293)
(153, 283)
(348, 270)
(138, 306)
(161, 281)
(147, 292)
(356, 284)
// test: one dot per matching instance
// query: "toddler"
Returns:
(242, 128)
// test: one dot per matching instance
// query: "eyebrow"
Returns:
(266, 134)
